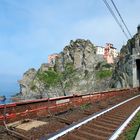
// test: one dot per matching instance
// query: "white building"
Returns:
(100, 50)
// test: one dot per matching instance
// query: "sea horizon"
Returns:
(8, 90)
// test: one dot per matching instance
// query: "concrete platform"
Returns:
(27, 125)
(138, 135)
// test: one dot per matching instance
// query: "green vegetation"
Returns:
(33, 87)
(103, 74)
(69, 69)
(103, 65)
(133, 127)
(85, 106)
(66, 75)
(49, 78)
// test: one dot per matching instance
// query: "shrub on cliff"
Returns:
(103, 74)
(49, 78)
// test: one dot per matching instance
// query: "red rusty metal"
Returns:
(8, 116)
(20, 109)
(8, 105)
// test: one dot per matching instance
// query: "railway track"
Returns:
(99, 126)
(64, 113)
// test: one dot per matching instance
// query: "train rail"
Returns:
(102, 126)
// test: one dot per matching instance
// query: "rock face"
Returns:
(26, 81)
(123, 75)
(81, 54)
(75, 71)
(81, 57)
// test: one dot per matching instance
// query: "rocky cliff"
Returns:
(77, 69)
(123, 74)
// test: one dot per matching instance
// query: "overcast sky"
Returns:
(30, 30)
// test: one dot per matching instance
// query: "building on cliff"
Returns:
(100, 50)
(52, 58)
(108, 52)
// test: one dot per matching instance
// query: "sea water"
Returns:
(8, 91)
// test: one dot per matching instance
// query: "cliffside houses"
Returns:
(108, 52)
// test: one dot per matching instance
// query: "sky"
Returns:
(30, 30)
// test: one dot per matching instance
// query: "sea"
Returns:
(8, 90)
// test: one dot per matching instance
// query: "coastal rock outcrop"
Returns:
(77, 69)
(26, 81)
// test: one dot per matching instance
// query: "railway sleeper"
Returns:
(73, 137)
(90, 136)
(95, 130)
(63, 120)
(88, 112)
(104, 124)
(109, 121)
(101, 127)
(114, 117)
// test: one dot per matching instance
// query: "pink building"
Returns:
(110, 53)
(52, 58)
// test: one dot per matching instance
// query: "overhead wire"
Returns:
(116, 19)
(121, 18)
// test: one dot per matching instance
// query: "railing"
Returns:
(43, 107)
